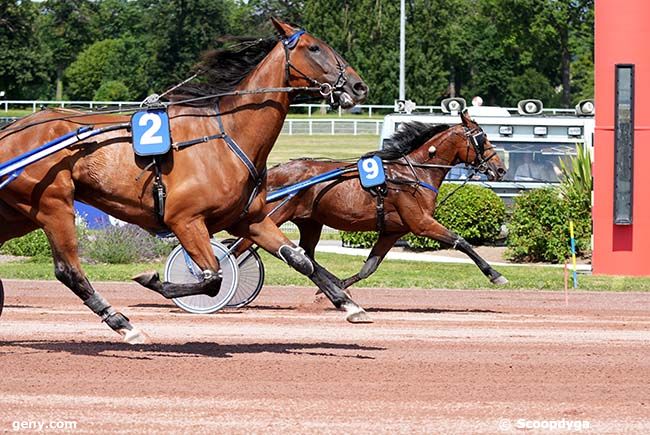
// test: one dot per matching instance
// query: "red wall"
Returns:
(622, 36)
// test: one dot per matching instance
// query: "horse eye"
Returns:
(314, 48)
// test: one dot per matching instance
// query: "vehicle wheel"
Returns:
(2, 298)
(251, 277)
(180, 268)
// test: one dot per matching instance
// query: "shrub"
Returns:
(539, 228)
(358, 239)
(34, 244)
(473, 212)
(123, 244)
(112, 90)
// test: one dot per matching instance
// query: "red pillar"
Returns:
(622, 36)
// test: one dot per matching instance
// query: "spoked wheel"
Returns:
(2, 298)
(251, 277)
(180, 268)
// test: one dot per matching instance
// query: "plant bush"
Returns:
(34, 244)
(358, 239)
(123, 244)
(473, 212)
(539, 228)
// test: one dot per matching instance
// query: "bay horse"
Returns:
(214, 177)
(416, 158)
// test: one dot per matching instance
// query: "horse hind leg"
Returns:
(195, 239)
(376, 256)
(61, 233)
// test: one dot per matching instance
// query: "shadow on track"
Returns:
(190, 349)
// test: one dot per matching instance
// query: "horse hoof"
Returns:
(147, 279)
(500, 280)
(133, 336)
(359, 317)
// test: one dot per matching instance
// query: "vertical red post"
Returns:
(622, 37)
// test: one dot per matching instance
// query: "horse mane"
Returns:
(408, 137)
(222, 69)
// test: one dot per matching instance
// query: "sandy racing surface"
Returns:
(433, 362)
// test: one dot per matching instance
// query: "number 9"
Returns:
(371, 168)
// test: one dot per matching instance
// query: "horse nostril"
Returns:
(360, 88)
(501, 171)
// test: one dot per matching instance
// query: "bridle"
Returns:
(476, 139)
(326, 90)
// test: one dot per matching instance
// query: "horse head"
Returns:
(465, 143)
(480, 153)
(311, 62)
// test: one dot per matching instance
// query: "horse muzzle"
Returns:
(494, 173)
(344, 99)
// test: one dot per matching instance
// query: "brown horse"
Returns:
(222, 130)
(417, 158)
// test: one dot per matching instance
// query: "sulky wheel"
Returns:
(251, 277)
(2, 297)
(180, 268)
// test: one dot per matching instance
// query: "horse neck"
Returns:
(447, 154)
(255, 120)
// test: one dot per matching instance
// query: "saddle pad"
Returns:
(371, 172)
(150, 129)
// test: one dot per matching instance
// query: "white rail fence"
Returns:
(310, 109)
(331, 126)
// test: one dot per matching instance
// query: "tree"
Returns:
(23, 59)
(65, 28)
(124, 60)
(177, 31)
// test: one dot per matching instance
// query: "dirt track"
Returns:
(433, 362)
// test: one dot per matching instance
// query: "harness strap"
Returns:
(178, 145)
(380, 213)
(235, 148)
(258, 178)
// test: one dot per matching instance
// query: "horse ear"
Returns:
(283, 28)
(465, 119)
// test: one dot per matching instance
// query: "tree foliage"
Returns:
(502, 50)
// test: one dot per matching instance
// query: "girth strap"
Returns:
(380, 192)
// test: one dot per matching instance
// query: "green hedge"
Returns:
(34, 244)
(358, 239)
(539, 226)
(474, 212)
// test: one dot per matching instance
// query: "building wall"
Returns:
(622, 36)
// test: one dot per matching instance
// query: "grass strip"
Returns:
(392, 274)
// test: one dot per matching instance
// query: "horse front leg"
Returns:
(195, 239)
(433, 229)
(376, 256)
(267, 235)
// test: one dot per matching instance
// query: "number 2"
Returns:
(149, 136)
(371, 168)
